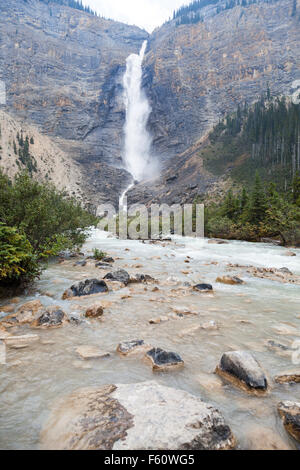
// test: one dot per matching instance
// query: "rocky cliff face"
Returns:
(62, 69)
(197, 72)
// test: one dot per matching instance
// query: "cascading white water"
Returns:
(137, 138)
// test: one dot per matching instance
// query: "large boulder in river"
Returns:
(290, 413)
(144, 416)
(87, 287)
(243, 370)
(119, 276)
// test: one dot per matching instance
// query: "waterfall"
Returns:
(137, 138)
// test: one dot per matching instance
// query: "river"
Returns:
(247, 315)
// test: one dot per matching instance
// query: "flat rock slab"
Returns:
(87, 287)
(21, 341)
(119, 276)
(243, 370)
(164, 360)
(290, 414)
(91, 352)
(144, 416)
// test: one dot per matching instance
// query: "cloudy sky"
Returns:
(147, 14)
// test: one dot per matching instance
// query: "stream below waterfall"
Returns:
(248, 316)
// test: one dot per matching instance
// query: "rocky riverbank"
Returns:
(185, 320)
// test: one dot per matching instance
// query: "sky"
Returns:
(147, 14)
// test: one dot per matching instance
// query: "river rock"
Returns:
(87, 287)
(274, 274)
(103, 265)
(231, 280)
(279, 348)
(7, 309)
(184, 311)
(216, 241)
(288, 377)
(164, 360)
(139, 278)
(80, 263)
(156, 321)
(242, 369)
(128, 347)
(26, 314)
(95, 311)
(289, 253)
(53, 317)
(119, 276)
(118, 417)
(108, 259)
(91, 352)
(203, 287)
(290, 414)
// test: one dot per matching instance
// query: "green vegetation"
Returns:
(17, 260)
(77, 4)
(99, 255)
(263, 137)
(37, 222)
(190, 13)
(260, 212)
(25, 158)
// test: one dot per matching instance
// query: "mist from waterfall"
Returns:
(137, 153)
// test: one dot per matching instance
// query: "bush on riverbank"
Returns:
(17, 260)
(43, 221)
(252, 215)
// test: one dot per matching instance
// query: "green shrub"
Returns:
(18, 264)
(51, 220)
(99, 255)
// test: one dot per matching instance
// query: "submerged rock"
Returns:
(203, 287)
(217, 241)
(290, 253)
(119, 276)
(163, 360)
(118, 417)
(290, 414)
(95, 311)
(87, 287)
(103, 265)
(80, 263)
(127, 347)
(231, 280)
(242, 369)
(91, 352)
(108, 259)
(138, 278)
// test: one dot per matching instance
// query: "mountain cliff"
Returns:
(63, 68)
(63, 72)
